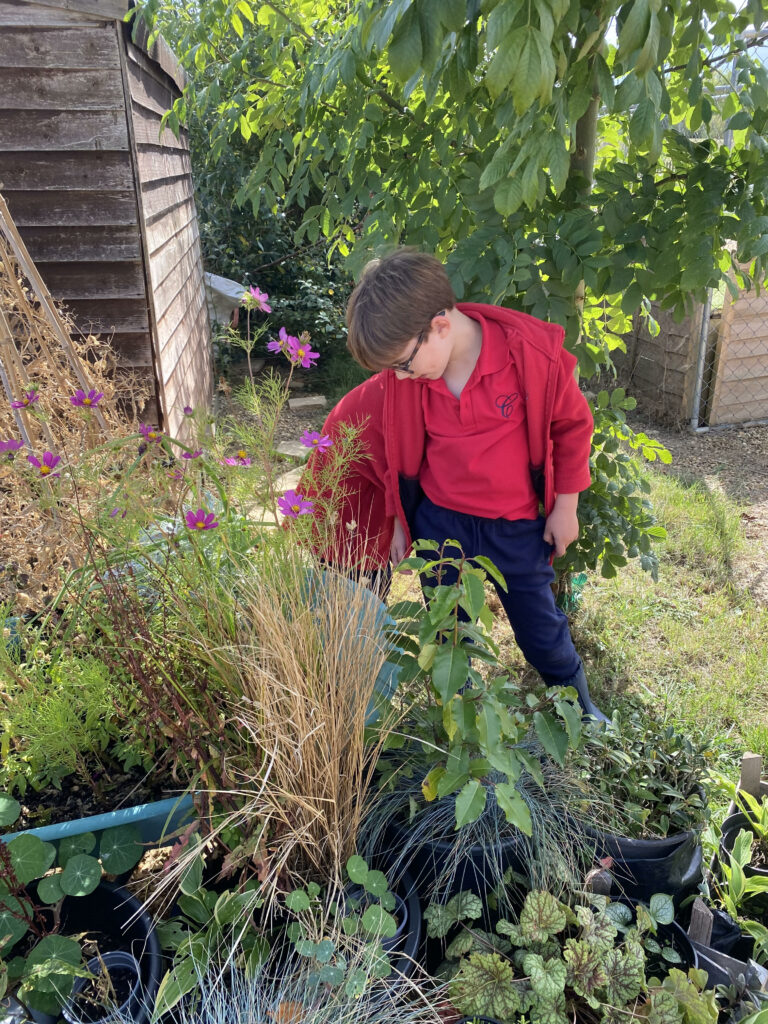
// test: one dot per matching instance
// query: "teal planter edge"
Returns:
(154, 821)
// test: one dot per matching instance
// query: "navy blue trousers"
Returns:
(518, 550)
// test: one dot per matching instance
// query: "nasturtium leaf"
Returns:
(357, 869)
(551, 734)
(377, 921)
(120, 849)
(10, 810)
(324, 951)
(71, 845)
(542, 916)
(297, 901)
(80, 876)
(49, 889)
(30, 857)
(331, 975)
(376, 883)
(12, 927)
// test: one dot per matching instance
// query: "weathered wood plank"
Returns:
(133, 349)
(36, 130)
(162, 241)
(170, 224)
(107, 9)
(87, 47)
(94, 280)
(158, 197)
(128, 316)
(93, 242)
(146, 126)
(183, 308)
(170, 274)
(740, 411)
(81, 170)
(156, 163)
(160, 53)
(749, 368)
(54, 89)
(18, 12)
(147, 90)
(62, 208)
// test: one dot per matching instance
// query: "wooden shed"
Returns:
(104, 202)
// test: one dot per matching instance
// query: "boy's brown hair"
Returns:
(394, 300)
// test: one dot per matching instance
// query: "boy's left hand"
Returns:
(562, 525)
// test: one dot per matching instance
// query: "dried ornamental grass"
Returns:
(41, 364)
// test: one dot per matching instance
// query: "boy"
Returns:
(473, 419)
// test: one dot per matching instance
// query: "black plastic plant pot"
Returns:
(403, 947)
(675, 936)
(642, 867)
(732, 825)
(439, 870)
(116, 921)
(85, 1005)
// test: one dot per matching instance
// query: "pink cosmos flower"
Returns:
(187, 410)
(87, 401)
(259, 300)
(294, 505)
(175, 474)
(28, 398)
(284, 342)
(239, 459)
(49, 463)
(11, 446)
(300, 353)
(150, 433)
(312, 439)
(192, 455)
(201, 520)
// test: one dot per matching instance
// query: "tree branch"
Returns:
(757, 41)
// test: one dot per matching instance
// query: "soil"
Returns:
(77, 799)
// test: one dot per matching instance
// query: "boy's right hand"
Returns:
(398, 549)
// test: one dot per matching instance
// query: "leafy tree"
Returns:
(565, 157)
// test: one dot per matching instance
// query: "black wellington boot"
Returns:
(588, 706)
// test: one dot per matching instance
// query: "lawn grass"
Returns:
(692, 646)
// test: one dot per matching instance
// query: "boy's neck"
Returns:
(466, 341)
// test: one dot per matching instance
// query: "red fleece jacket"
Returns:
(385, 482)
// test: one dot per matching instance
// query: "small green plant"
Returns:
(471, 725)
(743, 896)
(35, 878)
(559, 964)
(650, 774)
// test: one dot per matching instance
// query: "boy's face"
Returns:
(425, 355)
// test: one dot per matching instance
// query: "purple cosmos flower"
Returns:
(11, 446)
(175, 474)
(87, 401)
(201, 520)
(239, 459)
(49, 463)
(284, 343)
(27, 399)
(187, 410)
(300, 353)
(118, 512)
(150, 433)
(259, 299)
(192, 455)
(294, 505)
(312, 439)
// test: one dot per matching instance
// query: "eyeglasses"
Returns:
(405, 367)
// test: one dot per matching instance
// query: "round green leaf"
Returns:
(377, 921)
(71, 845)
(120, 849)
(81, 875)
(357, 870)
(662, 908)
(297, 901)
(376, 883)
(49, 889)
(30, 857)
(11, 928)
(10, 809)
(57, 948)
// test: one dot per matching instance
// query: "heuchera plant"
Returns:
(471, 724)
(35, 878)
